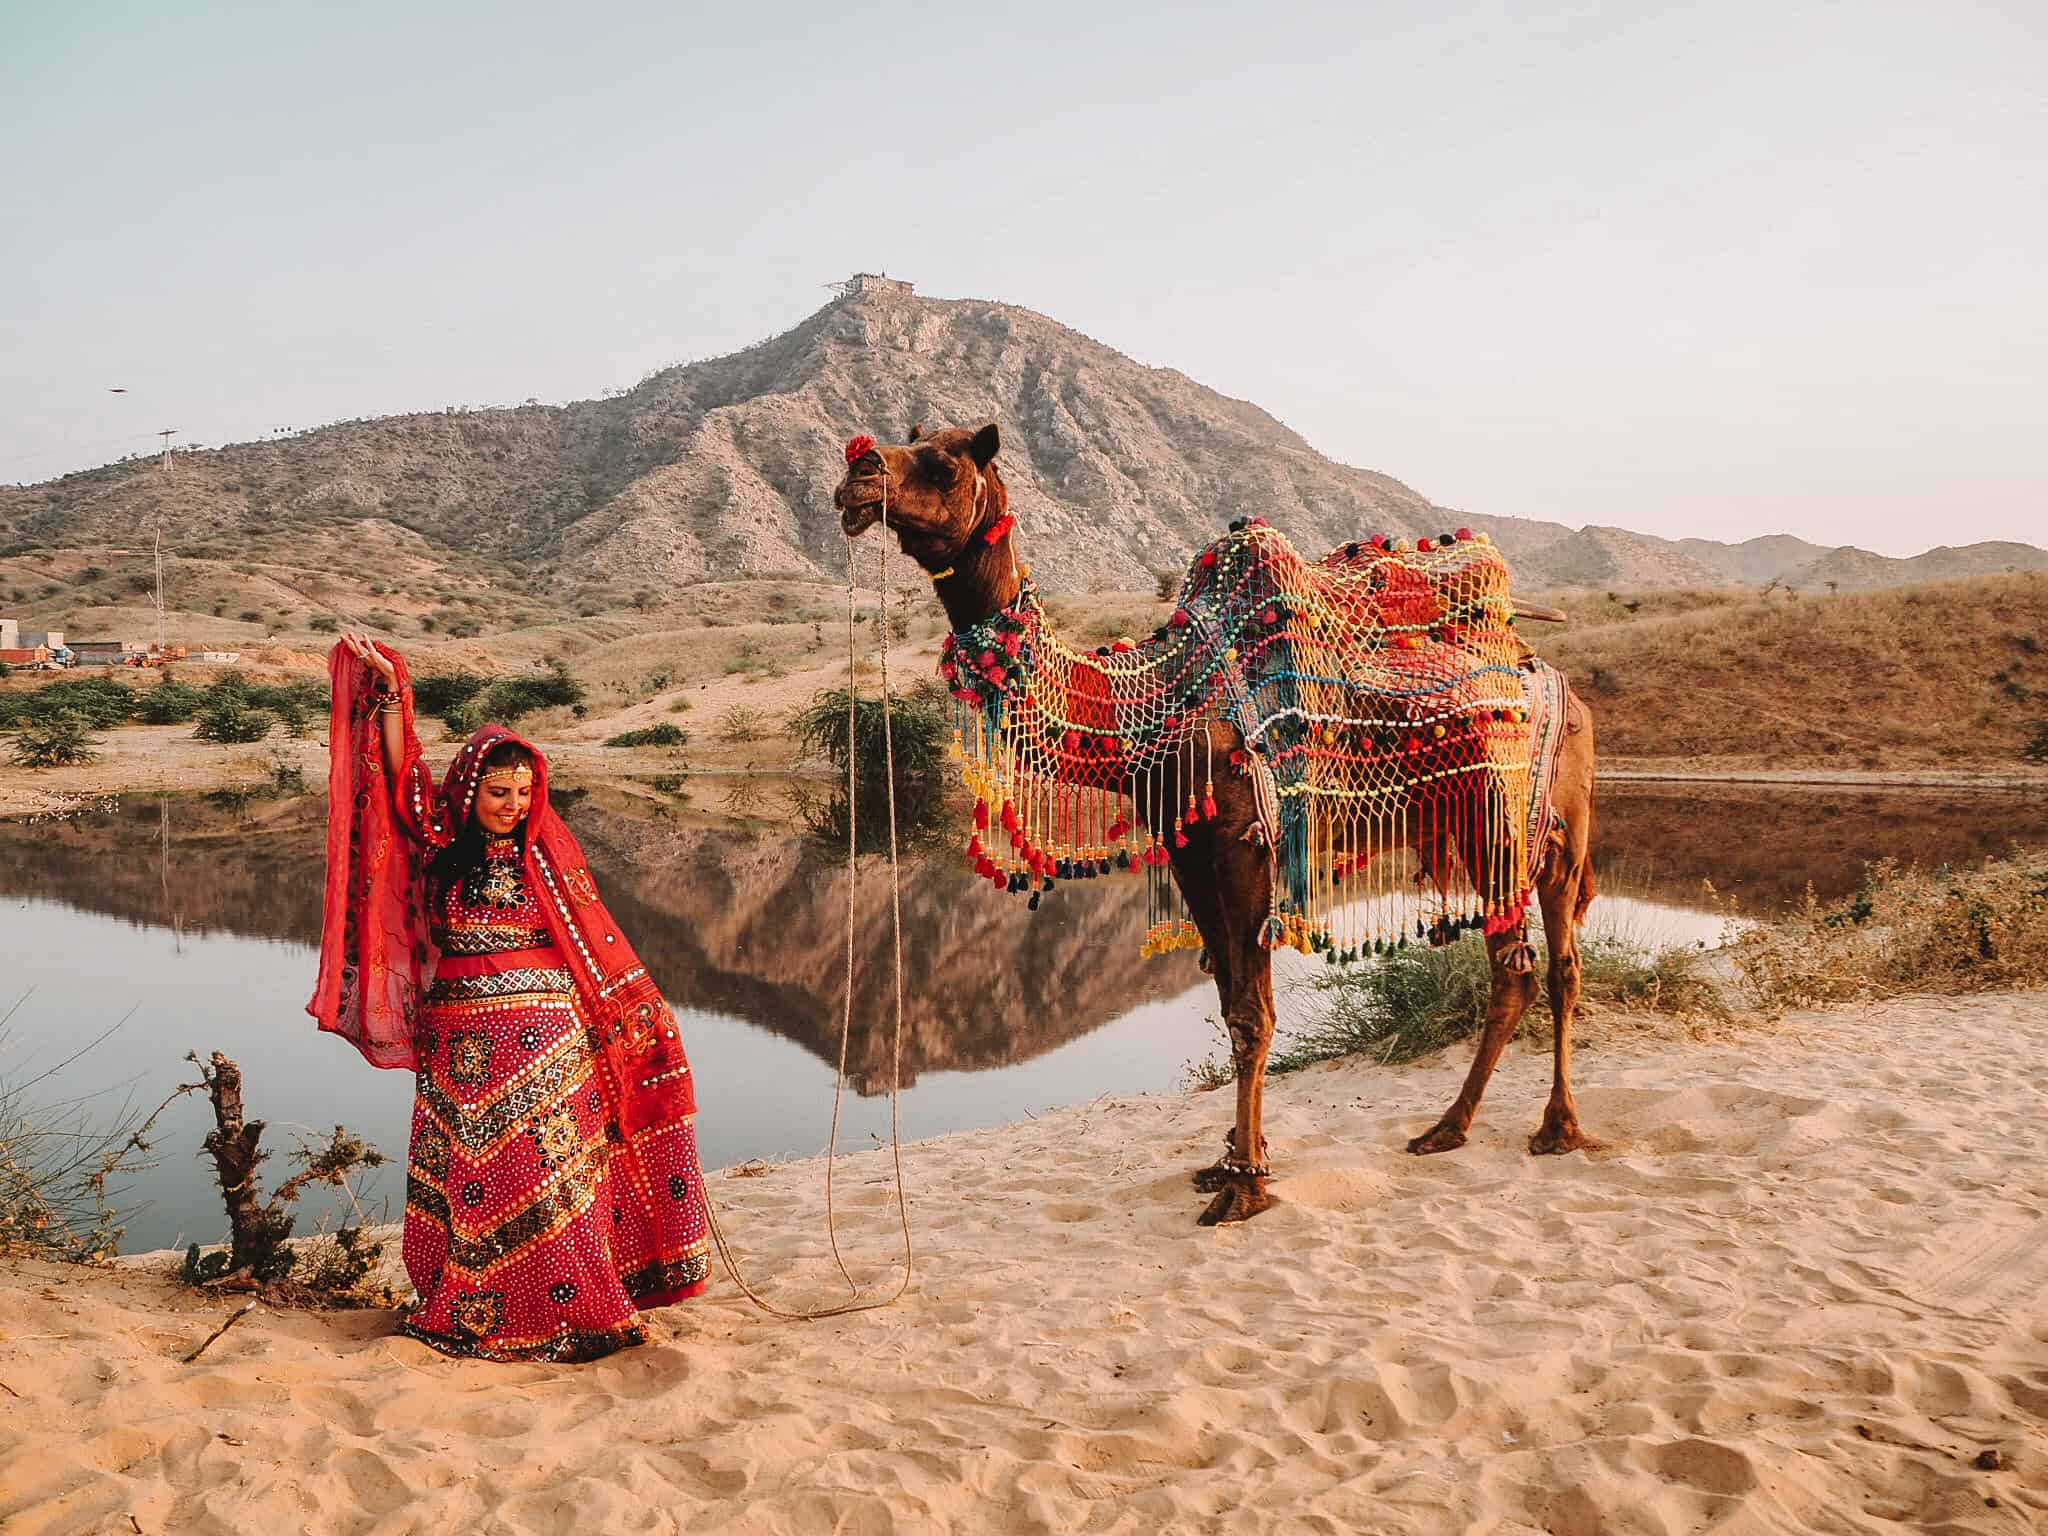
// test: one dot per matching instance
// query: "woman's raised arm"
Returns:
(391, 723)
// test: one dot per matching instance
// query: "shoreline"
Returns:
(1987, 780)
(167, 760)
(1802, 1274)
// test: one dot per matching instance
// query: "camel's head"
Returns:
(942, 488)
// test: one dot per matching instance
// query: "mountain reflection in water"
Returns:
(201, 915)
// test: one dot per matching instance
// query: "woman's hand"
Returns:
(374, 659)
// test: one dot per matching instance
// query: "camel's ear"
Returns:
(984, 446)
(916, 431)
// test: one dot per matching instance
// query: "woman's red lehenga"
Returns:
(553, 1191)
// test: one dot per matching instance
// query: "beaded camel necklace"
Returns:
(1399, 733)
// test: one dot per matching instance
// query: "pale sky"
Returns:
(1704, 269)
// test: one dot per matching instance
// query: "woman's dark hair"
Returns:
(467, 851)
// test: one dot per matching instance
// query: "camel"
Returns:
(948, 507)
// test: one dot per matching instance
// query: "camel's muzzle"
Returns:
(859, 503)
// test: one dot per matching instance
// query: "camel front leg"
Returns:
(1241, 1175)
(1564, 900)
(1514, 984)
(1227, 884)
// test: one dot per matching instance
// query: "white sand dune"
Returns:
(1802, 1288)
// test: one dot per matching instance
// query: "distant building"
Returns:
(874, 283)
(108, 653)
(51, 639)
(10, 634)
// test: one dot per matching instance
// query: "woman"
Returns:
(553, 1191)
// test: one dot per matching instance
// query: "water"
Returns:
(195, 923)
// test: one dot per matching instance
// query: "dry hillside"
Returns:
(1947, 674)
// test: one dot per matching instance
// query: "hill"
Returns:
(724, 469)
(1948, 674)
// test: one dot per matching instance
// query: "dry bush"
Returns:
(741, 723)
(1971, 929)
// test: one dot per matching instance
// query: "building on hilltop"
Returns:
(879, 283)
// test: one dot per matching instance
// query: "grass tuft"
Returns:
(1417, 1001)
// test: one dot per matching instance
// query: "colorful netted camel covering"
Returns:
(1400, 736)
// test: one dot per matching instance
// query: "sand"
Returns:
(1804, 1287)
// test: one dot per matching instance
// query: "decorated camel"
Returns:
(1342, 756)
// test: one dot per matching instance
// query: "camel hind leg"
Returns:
(1507, 1000)
(1566, 888)
(1512, 986)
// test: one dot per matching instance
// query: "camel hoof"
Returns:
(1440, 1138)
(1239, 1200)
(1212, 1178)
(1554, 1140)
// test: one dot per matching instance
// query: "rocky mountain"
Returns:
(725, 468)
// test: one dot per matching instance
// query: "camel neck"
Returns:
(983, 582)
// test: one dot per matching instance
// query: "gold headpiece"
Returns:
(514, 775)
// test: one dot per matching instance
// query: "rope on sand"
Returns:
(857, 1304)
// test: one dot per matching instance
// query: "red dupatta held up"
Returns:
(375, 952)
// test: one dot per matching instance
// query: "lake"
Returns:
(179, 923)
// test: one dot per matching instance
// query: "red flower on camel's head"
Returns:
(859, 448)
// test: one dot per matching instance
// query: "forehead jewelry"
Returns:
(510, 776)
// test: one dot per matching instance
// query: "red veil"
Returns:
(375, 953)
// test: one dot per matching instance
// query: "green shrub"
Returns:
(1396, 1008)
(919, 726)
(462, 719)
(170, 702)
(323, 624)
(56, 742)
(437, 692)
(662, 735)
(305, 694)
(233, 724)
(511, 697)
(99, 701)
